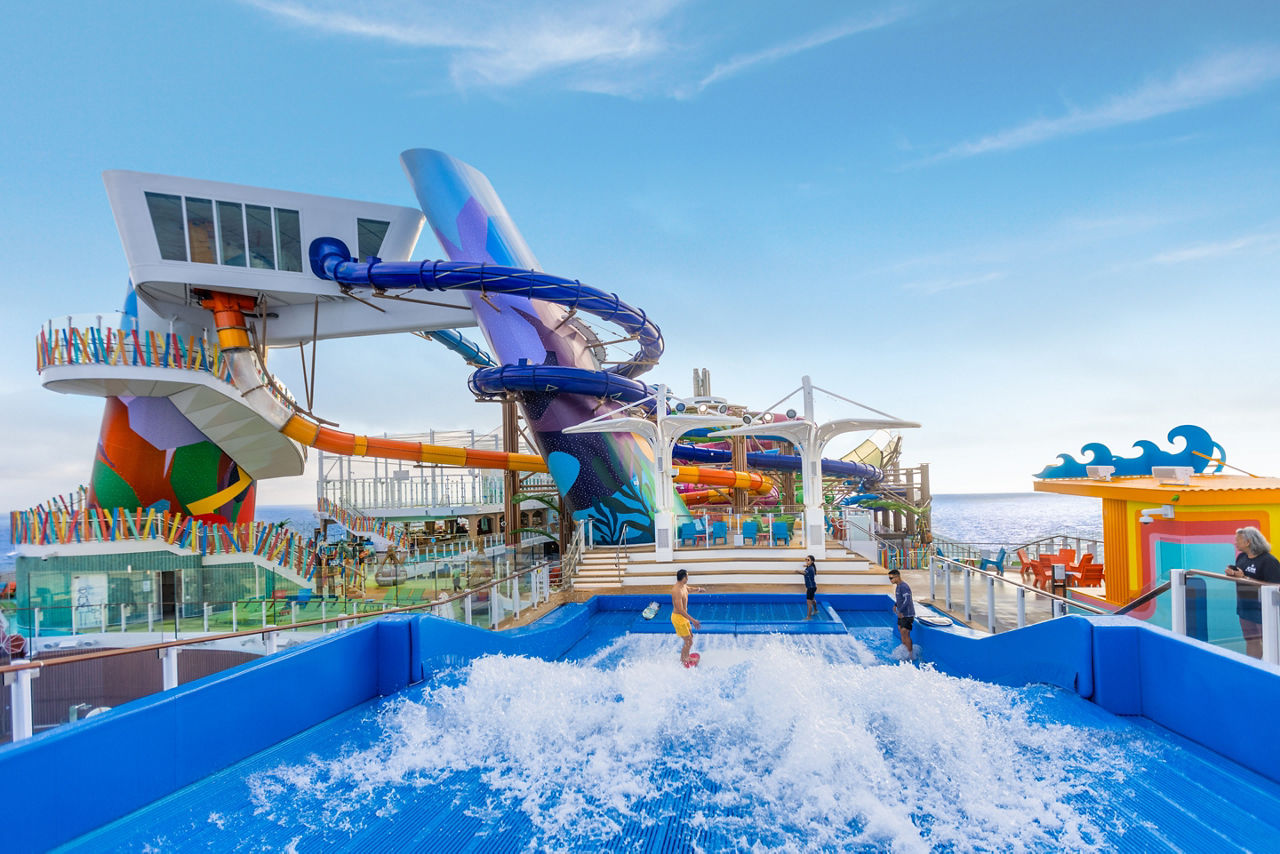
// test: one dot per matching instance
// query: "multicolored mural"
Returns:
(150, 456)
(604, 477)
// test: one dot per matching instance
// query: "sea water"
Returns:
(1015, 518)
(785, 743)
(1007, 519)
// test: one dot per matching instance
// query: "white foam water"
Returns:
(773, 743)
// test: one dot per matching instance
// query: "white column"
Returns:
(991, 604)
(169, 666)
(1178, 589)
(1270, 624)
(1022, 607)
(20, 699)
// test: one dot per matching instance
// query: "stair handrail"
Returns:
(572, 557)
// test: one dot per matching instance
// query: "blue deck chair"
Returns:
(719, 531)
(749, 531)
(690, 531)
(996, 563)
(781, 532)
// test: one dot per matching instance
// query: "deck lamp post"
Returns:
(811, 438)
(661, 434)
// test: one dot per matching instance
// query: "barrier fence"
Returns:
(108, 677)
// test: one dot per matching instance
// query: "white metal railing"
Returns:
(943, 570)
(572, 557)
(976, 551)
(503, 593)
(435, 489)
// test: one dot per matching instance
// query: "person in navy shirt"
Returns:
(1256, 563)
(810, 573)
(904, 608)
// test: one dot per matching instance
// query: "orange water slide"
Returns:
(233, 337)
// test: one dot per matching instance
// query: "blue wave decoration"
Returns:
(1196, 438)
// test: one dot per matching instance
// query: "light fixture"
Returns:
(702, 409)
(680, 406)
(722, 409)
(767, 418)
(791, 413)
(746, 419)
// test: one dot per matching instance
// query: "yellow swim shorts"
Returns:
(682, 625)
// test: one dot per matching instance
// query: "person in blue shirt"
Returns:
(810, 573)
(904, 608)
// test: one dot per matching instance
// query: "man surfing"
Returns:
(680, 616)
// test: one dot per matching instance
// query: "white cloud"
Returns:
(743, 62)
(496, 42)
(589, 45)
(1262, 243)
(1226, 75)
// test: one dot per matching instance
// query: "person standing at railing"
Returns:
(1256, 563)
(904, 608)
(810, 573)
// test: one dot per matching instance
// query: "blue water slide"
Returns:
(781, 462)
(331, 259)
(469, 350)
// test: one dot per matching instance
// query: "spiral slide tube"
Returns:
(233, 338)
(330, 259)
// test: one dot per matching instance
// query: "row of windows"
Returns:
(209, 232)
(214, 232)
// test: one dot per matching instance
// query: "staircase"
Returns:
(765, 569)
(599, 569)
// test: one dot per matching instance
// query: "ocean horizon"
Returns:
(1005, 518)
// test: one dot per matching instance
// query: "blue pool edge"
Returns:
(161, 743)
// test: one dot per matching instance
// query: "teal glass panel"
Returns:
(288, 241)
(231, 225)
(200, 233)
(166, 221)
(262, 248)
(371, 233)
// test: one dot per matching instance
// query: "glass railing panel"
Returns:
(1211, 612)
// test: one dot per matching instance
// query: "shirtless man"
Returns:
(680, 612)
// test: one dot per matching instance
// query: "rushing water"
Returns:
(774, 743)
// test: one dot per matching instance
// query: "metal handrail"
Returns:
(1144, 598)
(1166, 586)
(1038, 591)
(346, 618)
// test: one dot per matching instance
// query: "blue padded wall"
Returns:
(1216, 698)
(164, 742)
(1116, 686)
(1058, 652)
(440, 644)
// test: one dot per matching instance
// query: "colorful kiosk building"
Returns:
(1166, 511)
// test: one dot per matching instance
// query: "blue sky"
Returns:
(1027, 225)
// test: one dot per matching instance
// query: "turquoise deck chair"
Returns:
(719, 532)
(689, 531)
(996, 563)
(749, 531)
(781, 532)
